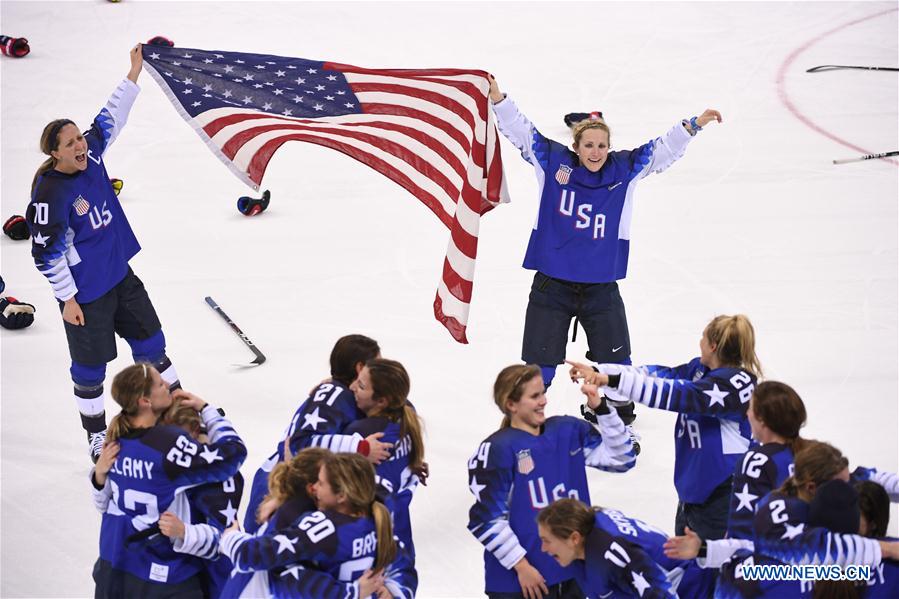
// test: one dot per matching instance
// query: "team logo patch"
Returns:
(81, 206)
(525, 462)
(563, 174)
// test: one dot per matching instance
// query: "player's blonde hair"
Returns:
(734, 339)
(578, 130)
(509, 386)
(817, 463)
(183, 416)
(354, 476)
(290, 479)
(128, 386)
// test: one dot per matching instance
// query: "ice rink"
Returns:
(754, 219)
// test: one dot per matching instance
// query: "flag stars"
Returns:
(320, 88)
(219, 55)
(195, 104)
(258, 85)
(278, 92)
(297, 99)
(300, 80)
(208, 61)
(329, 97)
(207, 95)
(280, 73)
(290, 66)
(319, 107)
(228, 68)
(288, 112)
(332, 77)
(341, 93)
(227, 93)
(247, 100)
(239, 61)
(176, 63)
(188, 91)
(188, 81)
(349, 104)
(207, 87)
(249, 76)
(188, 56)
(267, 106)
(312, 71)
(154, 56)
(260, 66)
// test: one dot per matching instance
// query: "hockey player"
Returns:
(82, 242)
(144, 468)
(213, 507)
(329, 408)
(611, 553)
(520, 469)
(382, 392)
(580, 241)
(788, 528)
(711, 393)
(349, 534)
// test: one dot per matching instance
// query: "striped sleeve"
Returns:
(709, 396)
(888, 480)
(337, 443)
(201, 540)
(719, 551)
(607, 446)
(490, 481)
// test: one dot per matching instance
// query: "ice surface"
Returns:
(754, 219)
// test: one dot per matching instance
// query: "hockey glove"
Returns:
(573, 118)
(251, 206)
(117, 185)
(16, 47)
(160, 41)
(15, 314)
(2, 285)
(15, 227)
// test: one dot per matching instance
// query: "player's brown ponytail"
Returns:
(49, 143)
(817, 463)
(128, 387)
(781, 409)
(390, 381)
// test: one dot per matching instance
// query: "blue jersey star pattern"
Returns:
(514, 474)
(712, 432)
(81, 240)
(152, 468)
(760, 471)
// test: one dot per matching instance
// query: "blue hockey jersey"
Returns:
(80, 238)
(153, 468)
(760, 471)
(514, 474)
(324, 414)
(713, 430)
(335, 544)
(624, 557)
(582, 231)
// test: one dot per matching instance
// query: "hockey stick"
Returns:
(260, 357)
(866, 157)
(837, 67)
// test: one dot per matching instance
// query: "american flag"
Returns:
(81, 206)
(429, 130)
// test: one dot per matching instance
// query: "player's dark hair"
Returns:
(874, 503)
(49, 143)
(509, 386)
(128, 387)
(184, 417)
(781, 409)
(390, 381)
(349, 351)
(567, 516)
(835, 589)
(354, 476)
(734, 339)
(817, 463)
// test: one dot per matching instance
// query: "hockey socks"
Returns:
(88, 381)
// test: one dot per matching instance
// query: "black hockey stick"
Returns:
(866, 157)
(260, 357)
(837, 67)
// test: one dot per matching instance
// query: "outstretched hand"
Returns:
(683, 547)
(707, 117)
(495, 94)
(137, 63)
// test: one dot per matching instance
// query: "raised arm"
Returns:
(607, 446)
(112, 117)
(515, 126)
(669, 148)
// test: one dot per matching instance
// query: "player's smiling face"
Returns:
(563, 551)
(593, 149)
(71, 153)
(325, 498)
(365, 394)
(527, 412)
